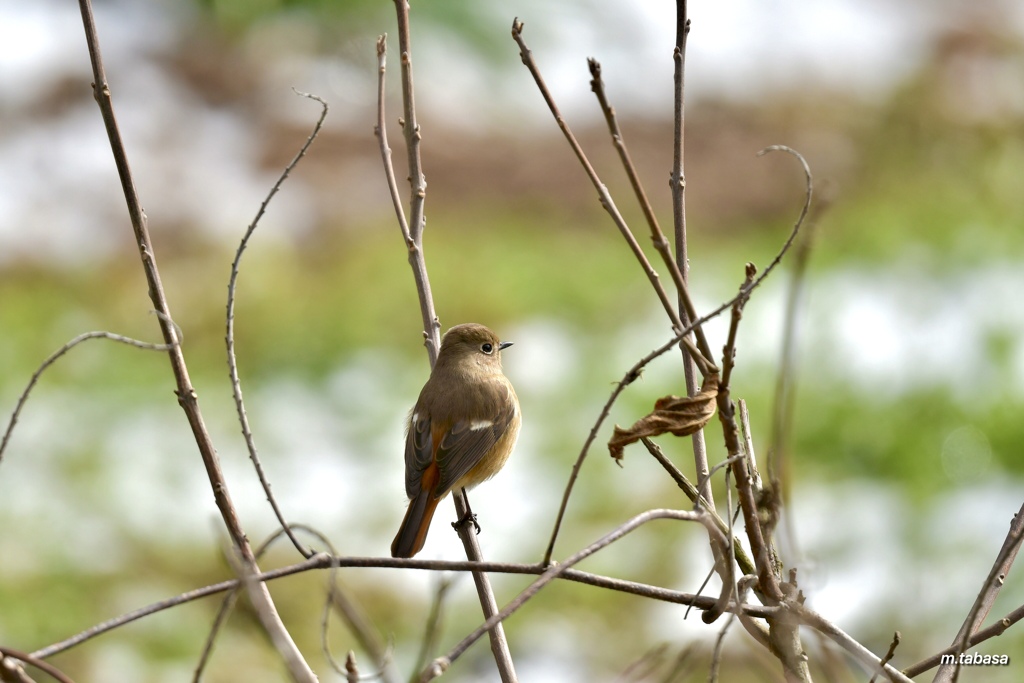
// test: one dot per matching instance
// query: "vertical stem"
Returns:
(418, 188)
(678, 183)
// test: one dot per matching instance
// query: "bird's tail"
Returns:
(413, 532)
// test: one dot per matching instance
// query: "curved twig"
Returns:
(229, 337)
(634, 372)
(100, 334)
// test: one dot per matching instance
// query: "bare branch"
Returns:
(606, 199)
(381, 131)
(677, 188)
(326, 561)
(413, 235)
(658, 238)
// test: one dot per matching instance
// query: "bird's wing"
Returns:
(419, 451)
(468, 441)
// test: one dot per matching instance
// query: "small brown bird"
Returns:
(461, 430)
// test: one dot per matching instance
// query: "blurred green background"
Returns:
(905, 444)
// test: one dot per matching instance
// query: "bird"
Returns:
(461, 430)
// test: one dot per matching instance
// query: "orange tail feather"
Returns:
(413, 532)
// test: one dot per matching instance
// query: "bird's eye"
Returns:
(487, 348)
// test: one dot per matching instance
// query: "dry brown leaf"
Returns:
(679, 415)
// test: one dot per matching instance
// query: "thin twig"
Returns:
(759, 544)
(896, 637)
(748, 443)
(716, 653)
(381, 131)
(441, 664)
(102, 334)
(46, 667)
(784, 400)
(432, 631)
(661, 243)
(229, 337)
(226, 606)
(743, 560)
(187, 396)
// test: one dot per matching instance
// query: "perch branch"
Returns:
(413, 235)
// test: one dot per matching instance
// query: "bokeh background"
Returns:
(905, 450)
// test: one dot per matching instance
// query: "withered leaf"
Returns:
(679, 415)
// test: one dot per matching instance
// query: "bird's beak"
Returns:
(504, 345)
